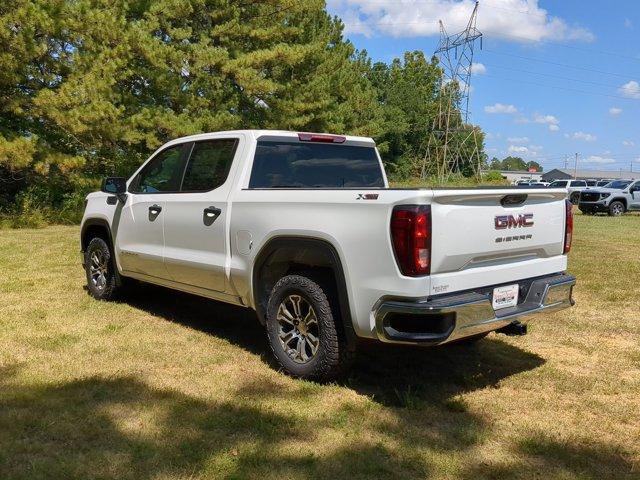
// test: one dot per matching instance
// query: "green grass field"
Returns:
(166, 385)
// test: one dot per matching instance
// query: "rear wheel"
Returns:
(616, 209)
(302, 330)
(100, 270)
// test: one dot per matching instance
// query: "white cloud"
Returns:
(598, 159)
(529, 151)
(478, 68)
(628, 143)
(515, 20)
(548, 119)
(501, 108)
(630, 89)
(518, 139)
(587, 137)
(518, 149)
(615, 111)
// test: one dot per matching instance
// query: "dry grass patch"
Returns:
(171, 386)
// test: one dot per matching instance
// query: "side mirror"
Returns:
(114, 185)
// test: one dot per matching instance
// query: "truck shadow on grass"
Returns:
(120, 428)
(413, 426)
(397, 376)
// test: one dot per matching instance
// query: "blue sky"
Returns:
(556, 77)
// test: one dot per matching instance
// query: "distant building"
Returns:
(515, 175)
(564, 174)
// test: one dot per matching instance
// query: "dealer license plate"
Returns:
(506, 296)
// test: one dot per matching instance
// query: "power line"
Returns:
(586, 92)
(559, 64)
(500, 36)
(562, 44)
(553, 76)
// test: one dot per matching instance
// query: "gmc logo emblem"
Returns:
(514, 221)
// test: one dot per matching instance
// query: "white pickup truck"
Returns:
(304, 229)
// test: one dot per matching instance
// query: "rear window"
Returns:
(282, 164)
(558, 184)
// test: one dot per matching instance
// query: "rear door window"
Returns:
(287, 164)
(209, 164)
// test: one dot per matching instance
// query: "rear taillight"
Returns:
(568, 226)
(411, 238)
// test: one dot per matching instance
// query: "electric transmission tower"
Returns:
(452, 141)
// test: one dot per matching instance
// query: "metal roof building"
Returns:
(563, 174)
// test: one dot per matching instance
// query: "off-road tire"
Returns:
(110, 288)
(616, 208)
(332, 355)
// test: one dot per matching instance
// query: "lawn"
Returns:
(167, 385)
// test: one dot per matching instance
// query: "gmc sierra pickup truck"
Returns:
(304, 229)
(615, 198)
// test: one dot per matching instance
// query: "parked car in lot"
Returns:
(603, 183)
(615, 198)
(574, 187)
(304, 229)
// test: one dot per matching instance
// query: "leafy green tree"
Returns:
(513, 163)
(90, 87)
(407, 90)
(534, 164)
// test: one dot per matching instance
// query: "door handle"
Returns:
(155, 209)
(210, 215)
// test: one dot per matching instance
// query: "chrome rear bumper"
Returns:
(454, 317)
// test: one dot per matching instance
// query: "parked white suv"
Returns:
(615, 199)
(574, 188)
(304, 229)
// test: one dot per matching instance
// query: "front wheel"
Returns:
(616, 209)
(100, 270)
(302, 330)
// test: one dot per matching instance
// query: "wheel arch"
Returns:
(621, 200)
(286, 255)
(95, 227)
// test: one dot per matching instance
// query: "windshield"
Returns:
(558, 184)
(618, 184)
(286, 164)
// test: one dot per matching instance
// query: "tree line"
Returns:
(91, 87)
(514, 164)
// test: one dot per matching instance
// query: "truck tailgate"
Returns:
(478, 228)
